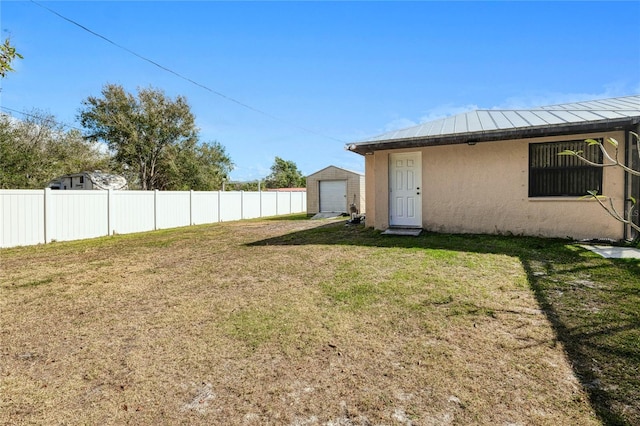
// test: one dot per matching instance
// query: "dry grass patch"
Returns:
(290, 322)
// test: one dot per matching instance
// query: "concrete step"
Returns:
(412, 232)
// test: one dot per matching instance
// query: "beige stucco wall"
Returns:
(355, 188)
(483, 188)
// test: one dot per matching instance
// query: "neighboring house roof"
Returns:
(335, 167)
(494, 124)
(286, 189)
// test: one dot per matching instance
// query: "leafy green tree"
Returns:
(8, 54)
(254, 185)
(200, 167)
(285, 174)
(38, 149)
(606, 203)
(145, 132)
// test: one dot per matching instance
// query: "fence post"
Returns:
(219, 209)
(110, 226)
(290, 202)
(260, 197)
(47, 215)
(155, 209)
(190, 207)
(242, 204)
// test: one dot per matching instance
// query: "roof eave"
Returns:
(365, 148)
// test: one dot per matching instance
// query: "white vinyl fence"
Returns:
(29, 217)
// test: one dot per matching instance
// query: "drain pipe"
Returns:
(631, 182)
(627, 183)
(635, 185)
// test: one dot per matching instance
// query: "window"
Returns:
(553, 175)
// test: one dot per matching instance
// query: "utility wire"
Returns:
(177, 74)
(47, 119)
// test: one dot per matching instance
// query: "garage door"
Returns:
(333, 196)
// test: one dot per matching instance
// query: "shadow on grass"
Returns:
(293, 216)
(592, 303)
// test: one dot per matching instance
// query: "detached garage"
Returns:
(333, 190)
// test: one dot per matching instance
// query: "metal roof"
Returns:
(496, 124)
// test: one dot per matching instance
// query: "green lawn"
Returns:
(303, 322)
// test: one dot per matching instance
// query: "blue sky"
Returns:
(330, 73)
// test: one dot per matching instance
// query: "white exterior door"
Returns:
(405, 189)
(333, 196)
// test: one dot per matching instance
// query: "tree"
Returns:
(248, 185)
(8, 54)
(149, 134)
(611, 161)
(285, 174)
(201, 167)
(38, 149)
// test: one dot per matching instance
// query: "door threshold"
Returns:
(412, 232)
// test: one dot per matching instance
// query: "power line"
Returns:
(177, 74)
(47, 119)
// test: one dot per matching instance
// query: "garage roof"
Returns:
(337, 168)
(494, 124)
